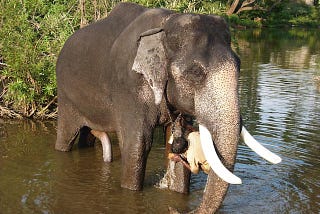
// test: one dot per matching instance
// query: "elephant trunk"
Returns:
(217, 111)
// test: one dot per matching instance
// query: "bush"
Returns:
(32, 34)
(276, 13)
(186, 6)
(294, 14)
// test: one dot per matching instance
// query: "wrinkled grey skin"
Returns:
(115, 75)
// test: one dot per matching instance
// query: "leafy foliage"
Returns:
(32, 34)
(186, 6)
(280, 13)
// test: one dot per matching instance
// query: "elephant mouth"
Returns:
(212, 157)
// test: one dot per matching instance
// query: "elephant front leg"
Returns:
(135, 147)
(69, 123)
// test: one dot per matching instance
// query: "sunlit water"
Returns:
(280, 104)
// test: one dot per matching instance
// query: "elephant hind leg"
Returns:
(66, 136)
(106, 144)
(69, 124)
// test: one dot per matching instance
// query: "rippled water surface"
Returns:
(280, 104)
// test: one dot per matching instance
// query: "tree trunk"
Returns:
(233, 7)
(83, 21)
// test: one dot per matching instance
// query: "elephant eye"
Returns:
(195, 73)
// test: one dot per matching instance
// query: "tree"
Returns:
(238, 6)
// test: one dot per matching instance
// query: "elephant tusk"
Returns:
(213, 159)
(258, 148)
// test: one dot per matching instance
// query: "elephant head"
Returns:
(190, 66)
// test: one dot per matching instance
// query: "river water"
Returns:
(280, 104)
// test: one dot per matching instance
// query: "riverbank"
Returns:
(38, 31)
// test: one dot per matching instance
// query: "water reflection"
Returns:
(280, 105)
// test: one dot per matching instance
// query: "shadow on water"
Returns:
(280, 104)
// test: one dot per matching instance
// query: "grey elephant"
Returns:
(129, 72)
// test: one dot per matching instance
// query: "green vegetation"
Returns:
(275, 13)
(294, 14)
(32, 33)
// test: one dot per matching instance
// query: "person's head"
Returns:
(179, 145)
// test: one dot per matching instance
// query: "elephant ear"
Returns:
(151, 61)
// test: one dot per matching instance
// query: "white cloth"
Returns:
(194, 154)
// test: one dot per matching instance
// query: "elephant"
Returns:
(133, 70)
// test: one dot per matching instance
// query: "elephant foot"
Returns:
(66, 134)
(131, 186)
(173, 210)
(177, 178)
(63, 147)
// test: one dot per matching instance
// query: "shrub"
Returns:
(32, 34)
